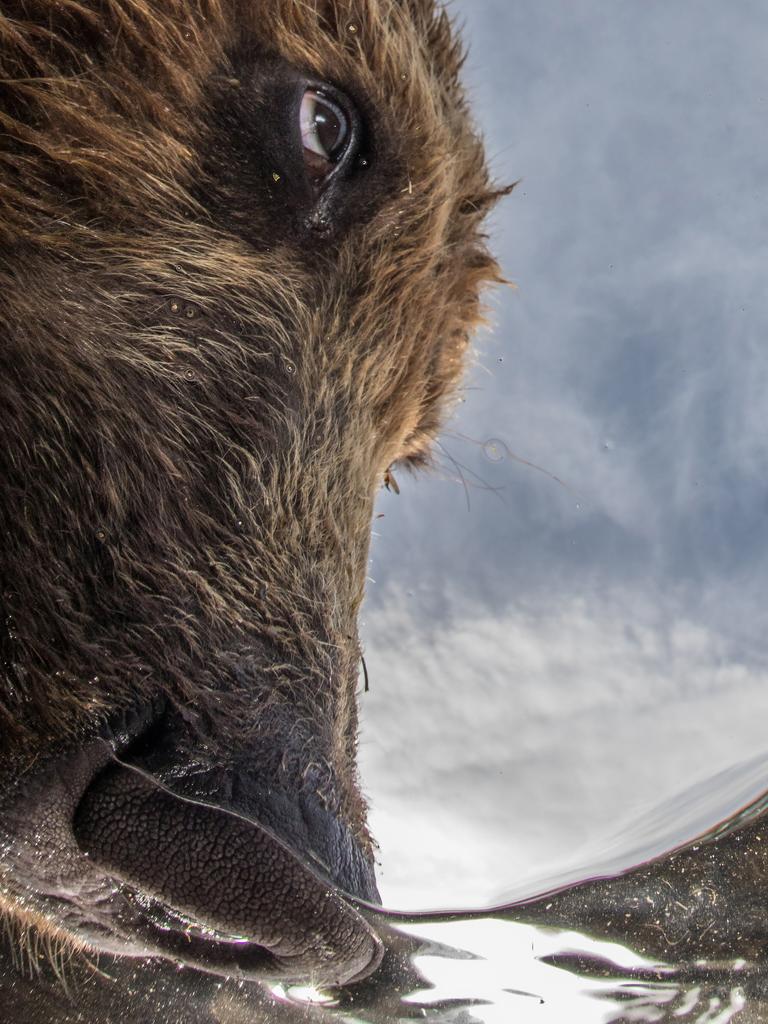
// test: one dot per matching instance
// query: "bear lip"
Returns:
(217, 890)
(117, 915)
(41, 858)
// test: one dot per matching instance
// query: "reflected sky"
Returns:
(531, 990)
(565, 629)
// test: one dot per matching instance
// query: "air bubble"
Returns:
(494, 450)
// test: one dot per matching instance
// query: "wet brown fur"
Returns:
(195, 412)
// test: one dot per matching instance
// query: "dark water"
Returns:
(680, 938)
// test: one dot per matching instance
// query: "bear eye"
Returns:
(325, 133)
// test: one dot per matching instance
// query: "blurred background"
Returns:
(565, 628)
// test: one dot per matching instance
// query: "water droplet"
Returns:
(175, 307)
(362, 162)
(318, 221)
(101, 535)
(494, 450)
(275, 176)
(189, 375)
(352, 28)
(190, 312)
(290, 368)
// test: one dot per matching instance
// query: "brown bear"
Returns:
(240, 261)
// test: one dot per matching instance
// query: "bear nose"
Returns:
(230, 878)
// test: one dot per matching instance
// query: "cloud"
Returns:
(493, 749)
(569, 652)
